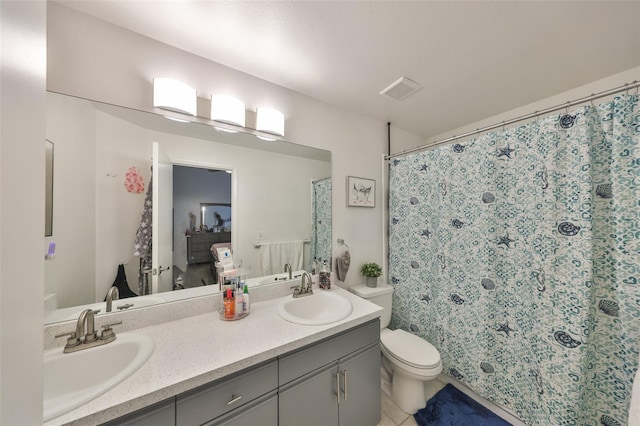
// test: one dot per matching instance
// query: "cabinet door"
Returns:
(263, 411)
(311, 400)
(161, 414)
(360, 388)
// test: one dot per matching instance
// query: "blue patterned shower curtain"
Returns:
(517, 254)
(321, 222)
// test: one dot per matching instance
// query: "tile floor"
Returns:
(392, 415)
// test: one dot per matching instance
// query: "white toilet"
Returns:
(408, 361)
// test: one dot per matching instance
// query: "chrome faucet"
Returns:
(86, 324)
(304, 290)
(287, 267)
(112, 294)
(85, 336)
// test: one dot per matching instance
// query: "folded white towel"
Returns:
(273, 256)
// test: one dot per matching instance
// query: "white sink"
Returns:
(322, 307)
(73, 379)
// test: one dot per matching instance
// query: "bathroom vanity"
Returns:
(258, 370)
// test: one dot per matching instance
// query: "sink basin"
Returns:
(73, 379)
(322, 307)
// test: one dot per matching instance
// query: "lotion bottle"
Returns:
(245, 299)
(228, 305)
(238, 301)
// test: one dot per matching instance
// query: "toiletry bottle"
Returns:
(228, 304)
(325, 276)
(245, 299)
(238, 300)
(314, 266)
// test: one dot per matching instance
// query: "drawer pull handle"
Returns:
(344, 374)
(338, 386)
(234, 399)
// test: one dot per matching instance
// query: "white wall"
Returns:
(119, 145)
(92, 152)
(598, 86)
(71, 126)
(22, 134)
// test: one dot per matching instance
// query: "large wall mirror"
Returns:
(106, 158)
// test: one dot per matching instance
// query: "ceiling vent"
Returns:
(401, 89)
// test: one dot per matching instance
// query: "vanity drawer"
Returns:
(207, 402)
(311, 357)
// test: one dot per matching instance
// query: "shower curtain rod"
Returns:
(627, 86)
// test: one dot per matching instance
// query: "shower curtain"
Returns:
(517, 254)
(321, 222)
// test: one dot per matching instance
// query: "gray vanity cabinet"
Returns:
(360, 404)
(262, 411)
(311, 400)
(204, 405)
(162, 413)
(335, 382)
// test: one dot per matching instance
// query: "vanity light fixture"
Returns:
(174, 95)
(270, 121)
(227, 109)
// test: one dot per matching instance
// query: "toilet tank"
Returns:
(382, 295)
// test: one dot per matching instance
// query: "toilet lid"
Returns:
(410, 349)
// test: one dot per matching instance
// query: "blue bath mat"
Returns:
(450, 407)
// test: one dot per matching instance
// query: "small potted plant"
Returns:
(371, 272)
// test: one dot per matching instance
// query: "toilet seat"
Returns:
(410, 350)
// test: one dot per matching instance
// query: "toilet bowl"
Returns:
(408, 361)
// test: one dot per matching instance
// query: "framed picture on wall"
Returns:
(361, 192)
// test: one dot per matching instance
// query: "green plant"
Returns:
(371, 270)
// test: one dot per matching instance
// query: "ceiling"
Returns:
(474, 59)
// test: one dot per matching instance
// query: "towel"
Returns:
(273, 256)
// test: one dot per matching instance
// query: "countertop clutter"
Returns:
(193, 351)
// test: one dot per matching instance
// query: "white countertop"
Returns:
(196, 350)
